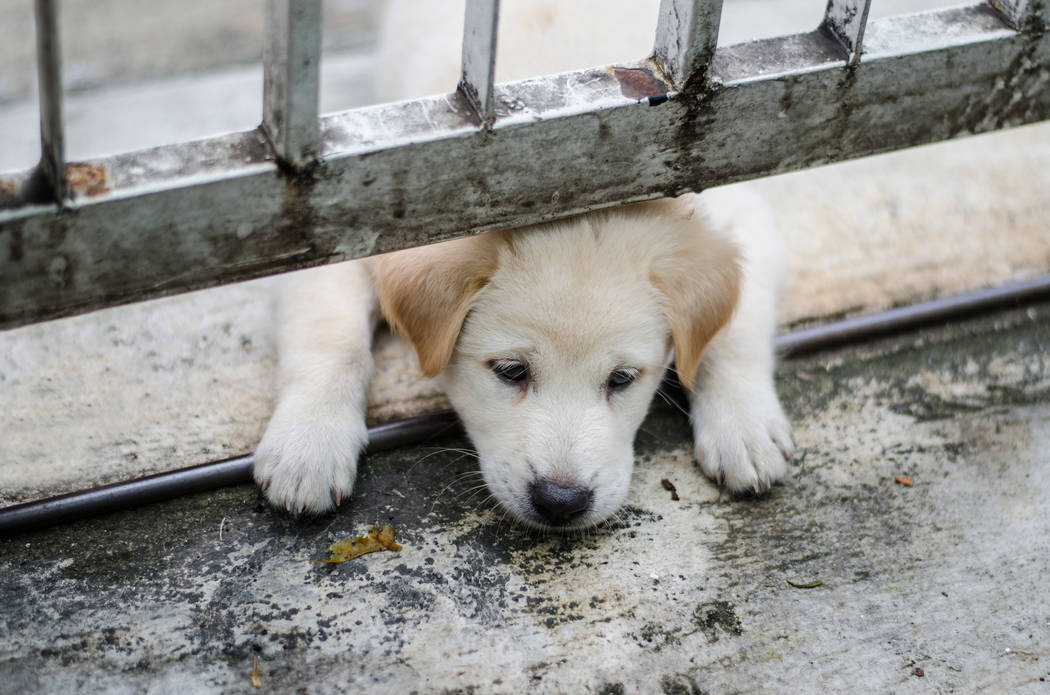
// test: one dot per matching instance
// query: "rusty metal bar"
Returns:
(48, 182)
(686, 36)
(291, 63)
(845, 20)
(479, 57)
(27, 516)
(193, 215)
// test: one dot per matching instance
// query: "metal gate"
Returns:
(302, 190)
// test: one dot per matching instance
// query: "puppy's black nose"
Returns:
(558, 504)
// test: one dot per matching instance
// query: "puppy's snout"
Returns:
(559, 504)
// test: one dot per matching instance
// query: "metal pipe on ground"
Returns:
(209, 476)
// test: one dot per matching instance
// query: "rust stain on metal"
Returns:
(639, 83)
(9, 193)
(86, 179)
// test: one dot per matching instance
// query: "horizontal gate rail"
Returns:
(193, 215)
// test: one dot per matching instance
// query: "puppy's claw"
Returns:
(265, 485)
(338, 497)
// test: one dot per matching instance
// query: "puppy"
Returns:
(550, 343)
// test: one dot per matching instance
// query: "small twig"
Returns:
(221, 525)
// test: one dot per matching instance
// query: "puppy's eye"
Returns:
(510, 372)
(621, 379)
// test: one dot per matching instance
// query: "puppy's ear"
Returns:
(426, 292)
(700, 282)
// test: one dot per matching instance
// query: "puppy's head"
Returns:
(552, 341)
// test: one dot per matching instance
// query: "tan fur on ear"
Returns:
(701, 284)
(426, 292)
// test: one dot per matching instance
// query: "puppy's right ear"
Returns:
(426, 292)
(700, 282)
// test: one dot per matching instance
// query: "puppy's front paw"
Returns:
(307, 459)
(742, 441)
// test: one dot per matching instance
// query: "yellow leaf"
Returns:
(378, 538)
(256, 677)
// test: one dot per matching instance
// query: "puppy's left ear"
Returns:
(426, 292)
(700, 282)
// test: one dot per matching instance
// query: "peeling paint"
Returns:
(639, 83)
(86, 179)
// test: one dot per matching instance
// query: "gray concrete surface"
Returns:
(949, 576)
(938, 587)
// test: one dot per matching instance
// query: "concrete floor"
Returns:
(949, 576)
(937, 587)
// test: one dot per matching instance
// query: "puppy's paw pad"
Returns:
(307, 464)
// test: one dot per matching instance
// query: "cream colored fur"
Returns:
(577, 303)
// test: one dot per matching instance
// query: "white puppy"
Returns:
(550, 343)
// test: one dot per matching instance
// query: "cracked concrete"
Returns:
(946, 578)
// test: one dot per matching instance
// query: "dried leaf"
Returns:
(903, 480)
(806, 585)
(378, 538)
(256, 677)
(669, 486)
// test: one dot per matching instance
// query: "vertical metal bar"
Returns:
(49, 180)
(479, 57)
(686, 36)
(1023, 15)
(291, 64)
(845, 21)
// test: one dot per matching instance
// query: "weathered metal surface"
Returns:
(198, 214)
(977, 26)
(686, 36)
(846, 20)
(292, 61)
(48, 183)
(479, 57)
(1019, 14)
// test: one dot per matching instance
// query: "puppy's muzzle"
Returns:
(559, 505)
